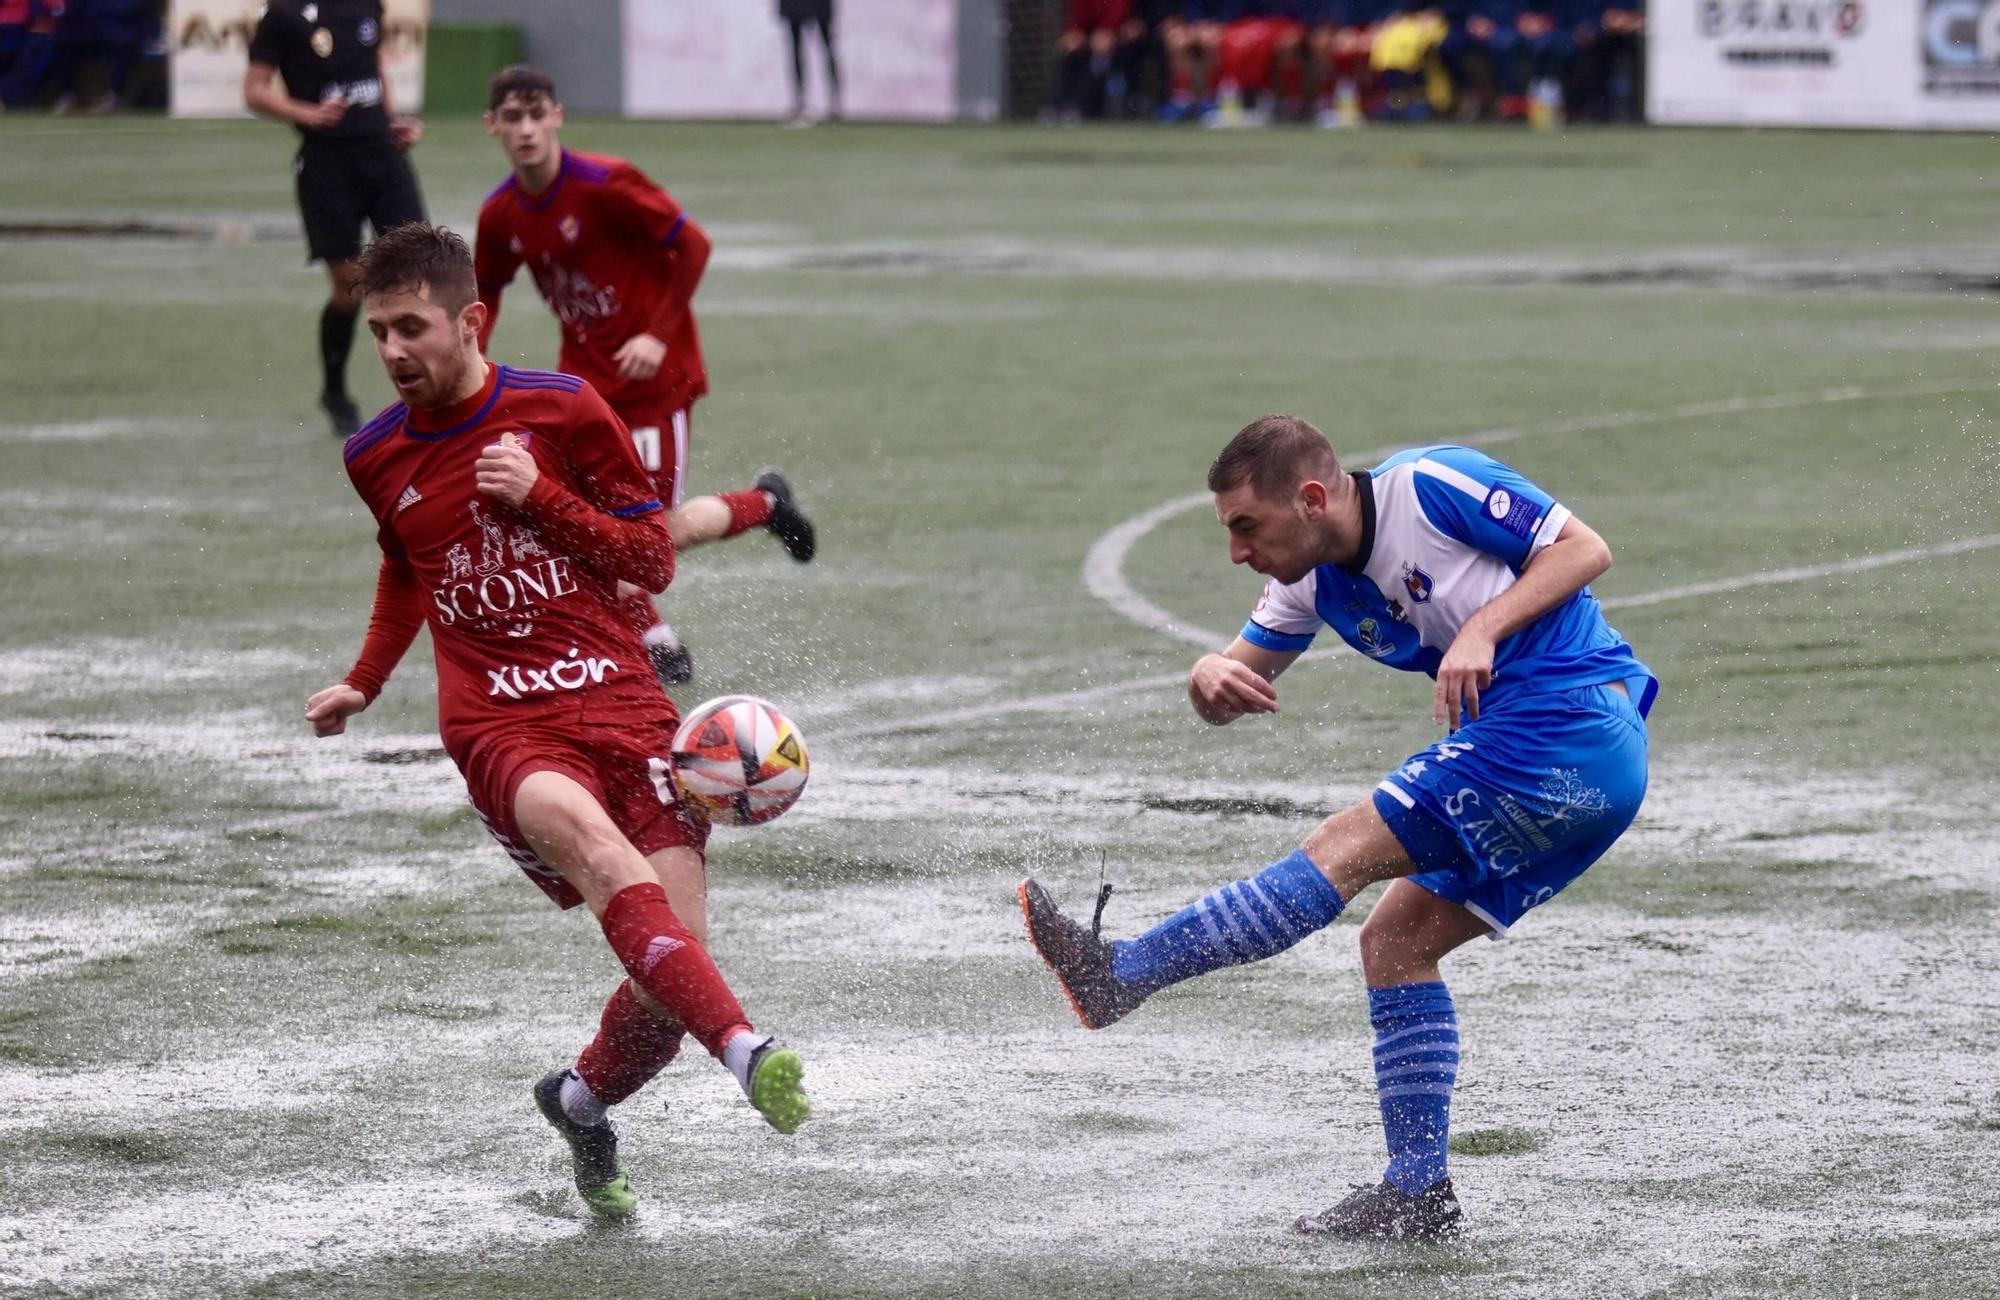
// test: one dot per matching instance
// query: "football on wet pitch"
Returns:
(739, 761)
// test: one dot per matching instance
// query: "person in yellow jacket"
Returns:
(1405, 60)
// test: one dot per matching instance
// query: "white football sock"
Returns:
(736, 1054)
(580, 1103)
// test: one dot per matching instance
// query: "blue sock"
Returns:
(1246, 921)
(1416, 1064)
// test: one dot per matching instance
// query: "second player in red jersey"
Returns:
(509, 506)
(617, 261)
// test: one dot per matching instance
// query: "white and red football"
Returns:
(739, 761)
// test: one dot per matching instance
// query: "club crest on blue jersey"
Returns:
(1373, 643)
(1418, 584)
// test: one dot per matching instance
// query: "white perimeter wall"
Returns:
(1855, 63)
(732, 58)
(208, 49)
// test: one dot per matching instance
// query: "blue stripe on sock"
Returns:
(1416, 1068)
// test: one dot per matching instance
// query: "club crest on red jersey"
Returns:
(570, 228)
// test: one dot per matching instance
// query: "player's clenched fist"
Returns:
(1223, 690)
(329, 710)
(506, 471)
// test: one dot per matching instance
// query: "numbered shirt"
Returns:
(593, 242)
(523, 632)
(331, 49)
(1443, 531)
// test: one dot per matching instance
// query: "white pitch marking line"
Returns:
(1805, 573)
(1103, 566)
(1212, 641)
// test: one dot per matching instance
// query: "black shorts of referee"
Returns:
(344, 180)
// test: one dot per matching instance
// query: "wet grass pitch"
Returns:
(270, 1007)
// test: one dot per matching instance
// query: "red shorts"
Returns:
(661, 438)
(1250, 44)
(625, 768)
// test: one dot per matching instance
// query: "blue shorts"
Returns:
(1506, 811)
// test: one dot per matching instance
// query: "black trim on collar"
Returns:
(1365, 483)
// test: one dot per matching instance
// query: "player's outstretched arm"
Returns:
(1223, 687)
(392, 625)
(1577, 558)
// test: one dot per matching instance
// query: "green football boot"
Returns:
(777, 1087)
(593, 1150)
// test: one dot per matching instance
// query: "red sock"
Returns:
(667, 961)
(748, 509)
(632, 1045)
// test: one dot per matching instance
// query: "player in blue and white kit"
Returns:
(1444, 561)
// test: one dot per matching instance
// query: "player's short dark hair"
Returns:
(1274, 455)
(523, 79)
(418, 255)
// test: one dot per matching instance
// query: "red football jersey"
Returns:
(594, 243)
(524, 626)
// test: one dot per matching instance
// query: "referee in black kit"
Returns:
(350, 164)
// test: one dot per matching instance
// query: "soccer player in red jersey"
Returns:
(617, 261)
(509, 507)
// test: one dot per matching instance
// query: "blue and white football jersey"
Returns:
(1443, 531)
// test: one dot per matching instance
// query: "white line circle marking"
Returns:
(1104, 564)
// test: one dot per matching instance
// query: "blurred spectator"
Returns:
(1233, 62)
(34, 51)
(1261, 60)
(13, 31)
(1479, 55)
(82, 53)
(1513, 58)
(796, 14)
(1606, 81)
(1092, 34)
(1143, 57)
(1341, 38)
(108, 34)
(1192, 37)
(1405, 58)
